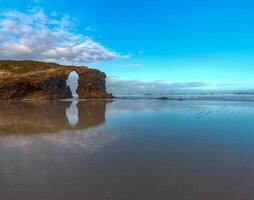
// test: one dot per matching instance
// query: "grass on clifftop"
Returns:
(22, 67)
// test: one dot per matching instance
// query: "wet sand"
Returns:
(127, 149)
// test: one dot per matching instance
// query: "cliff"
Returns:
(21, 80)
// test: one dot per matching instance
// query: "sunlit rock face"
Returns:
(38, 80)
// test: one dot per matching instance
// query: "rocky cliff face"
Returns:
(37, 80)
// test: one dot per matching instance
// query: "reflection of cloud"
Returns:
(87, 140)
(17, 142)
(156, 105)
(72, 113)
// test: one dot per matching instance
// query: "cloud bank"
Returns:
(34, 35)
(118, 87)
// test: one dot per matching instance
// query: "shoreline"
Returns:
(178, 99)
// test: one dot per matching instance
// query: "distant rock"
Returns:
(163, 98)
(34, 80)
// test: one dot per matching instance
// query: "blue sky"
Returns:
(208, 42)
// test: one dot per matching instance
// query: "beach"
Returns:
(127, 149)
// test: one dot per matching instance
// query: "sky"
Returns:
(142, 46)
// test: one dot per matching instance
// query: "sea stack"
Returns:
(33, 80)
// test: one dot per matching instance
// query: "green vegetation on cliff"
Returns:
(25, 66)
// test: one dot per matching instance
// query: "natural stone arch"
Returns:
(35, 80)
(91, 83)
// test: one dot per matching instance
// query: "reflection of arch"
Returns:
(48, 116)
(72, 113)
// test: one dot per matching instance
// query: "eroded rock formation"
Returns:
(38, 80)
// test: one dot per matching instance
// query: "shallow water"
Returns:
(127, 149)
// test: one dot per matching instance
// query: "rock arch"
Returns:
(91, 83)
(43, 81)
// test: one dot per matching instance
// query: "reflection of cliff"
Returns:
(48, 116)
(91, 113)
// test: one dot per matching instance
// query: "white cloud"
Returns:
(34, 35)
(90, 28)
(134, 65)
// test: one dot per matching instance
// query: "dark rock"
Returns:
(163, 98)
